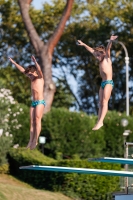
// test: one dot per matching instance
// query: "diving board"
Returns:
(113, 160)
(78, 170)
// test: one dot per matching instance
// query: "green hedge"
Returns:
(71, 133)
(89, 187)
(85, 187)
(4, 169)
(23, 156)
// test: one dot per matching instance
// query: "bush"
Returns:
(5, 144)
(70, 133)
(83, 186)
(88, 187)
(20, 131)
(4, 169)
(14, 118)
(113, 134)
(22, 156)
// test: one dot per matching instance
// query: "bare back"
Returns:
(105, 68)
(37, 87)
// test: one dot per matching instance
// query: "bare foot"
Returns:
(29, 144)
(97, 126)
(33, 145)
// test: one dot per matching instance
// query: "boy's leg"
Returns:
(100, 103)
(106, 96)
(39, 110)
(32, 125)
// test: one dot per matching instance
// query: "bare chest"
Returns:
(37, 84)
(105, 65)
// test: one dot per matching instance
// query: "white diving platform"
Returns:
(78, 170)
(113, 160)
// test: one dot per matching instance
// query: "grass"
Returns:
(13, 189)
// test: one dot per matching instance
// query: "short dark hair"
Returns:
(100, 49)
(30, 68)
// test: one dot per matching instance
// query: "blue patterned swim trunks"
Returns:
(37, 102)
(103, 83)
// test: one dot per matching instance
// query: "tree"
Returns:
(44, 50)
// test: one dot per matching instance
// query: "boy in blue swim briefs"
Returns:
(102, 54)
(34, 73)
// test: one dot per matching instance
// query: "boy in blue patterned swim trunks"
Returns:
(35, 103)
(103, 83)
(102, 54)
(34, 73)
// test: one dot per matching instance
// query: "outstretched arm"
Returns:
(113, 37)
(80, 43)
(39, 71)
(20, 68)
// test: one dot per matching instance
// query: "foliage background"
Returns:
(68, 134)
(75, 71)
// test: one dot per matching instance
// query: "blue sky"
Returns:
(38, 3)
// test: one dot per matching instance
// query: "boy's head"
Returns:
(100, 49)
(30, 68)
(99, 52)
(31, 72)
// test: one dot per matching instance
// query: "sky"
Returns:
(38, 3)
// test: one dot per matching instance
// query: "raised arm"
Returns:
(39, 71)
(113, 37)
(80, 43)
(20, 68)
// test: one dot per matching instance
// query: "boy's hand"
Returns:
(11, 60)
(80, 42)
(33, 58)
(113, 37)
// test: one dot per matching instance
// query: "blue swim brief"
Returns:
(37, 102)
(103, 83)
